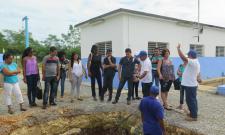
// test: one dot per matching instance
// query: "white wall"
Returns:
(109, 30)
(135, 31)
(145, 29)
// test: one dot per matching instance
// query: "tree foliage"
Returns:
(14, 42)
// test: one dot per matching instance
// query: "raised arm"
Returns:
(181, 54)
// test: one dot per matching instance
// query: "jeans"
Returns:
(121, 85)
(181, 95)
(75, 86)
(98, 77)
(155, 78)
(50, 83)
(145, 88)
(62, 83)
(135, 88)
(31, 87)
(191, 100)
(107, 84)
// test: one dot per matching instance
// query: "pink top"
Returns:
(31, 66)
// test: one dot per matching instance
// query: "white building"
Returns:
(125, 28)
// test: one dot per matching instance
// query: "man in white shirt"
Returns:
(189, 83)
(145, 74)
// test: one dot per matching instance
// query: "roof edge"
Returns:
(143, 14)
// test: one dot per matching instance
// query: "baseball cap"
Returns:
(142, 53)
(154, 90)
(192, 53)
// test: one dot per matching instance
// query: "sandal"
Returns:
(23, 109)
(10, 111)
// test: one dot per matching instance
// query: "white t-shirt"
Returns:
(191, 72)
(77, 69)
(146, 65)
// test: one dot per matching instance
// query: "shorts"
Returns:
(165, 85)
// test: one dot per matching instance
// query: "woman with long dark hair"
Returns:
(166, 75)
(30, 74)
(63, 70)
(94, 70)
(76, 72)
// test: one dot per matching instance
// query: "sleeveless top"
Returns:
(167, 71)
(77, 69)
(31, 66)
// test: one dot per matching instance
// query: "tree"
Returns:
(53, 40)
(72, 38)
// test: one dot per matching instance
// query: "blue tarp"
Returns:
(211, 67)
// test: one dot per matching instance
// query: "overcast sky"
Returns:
(54, 16)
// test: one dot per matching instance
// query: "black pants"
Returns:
(121, 85)
(107, 85)
(145, 88)
(181, 95)
(50, 83)
(135, 89)
(31, 87)
(98, 77)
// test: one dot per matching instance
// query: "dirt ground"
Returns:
(210, 121)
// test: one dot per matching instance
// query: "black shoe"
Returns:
(34, 104)
(44, 107)
(53, 104)
(95, 99)
(128, 102)
(115, 101)
(138, 98)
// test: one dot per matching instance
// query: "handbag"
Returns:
(39, 90)
(177, 84)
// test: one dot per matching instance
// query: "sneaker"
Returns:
(128, 102)
(44, 107)
(115, 101)
(190, 119)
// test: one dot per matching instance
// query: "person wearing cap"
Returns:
(152, 113)
(189, 83)
(109, 69)
(125, 73)
(145, 74)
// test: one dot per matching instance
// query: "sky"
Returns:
(54, 16)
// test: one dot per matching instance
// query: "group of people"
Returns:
(157, 71)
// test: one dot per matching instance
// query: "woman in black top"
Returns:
(94, 70)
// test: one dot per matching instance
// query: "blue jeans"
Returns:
(31, 87)
(121, 85)
(62, 83)
(98, 77)
(50, 83)
(155, 78)
(191, 100)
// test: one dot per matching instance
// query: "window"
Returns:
(153, 45)
(220, 51)
(198, 48)
(103, 46)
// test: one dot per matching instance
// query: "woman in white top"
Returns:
(76, 72)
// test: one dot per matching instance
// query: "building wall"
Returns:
(145, 29)
(109, 30)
